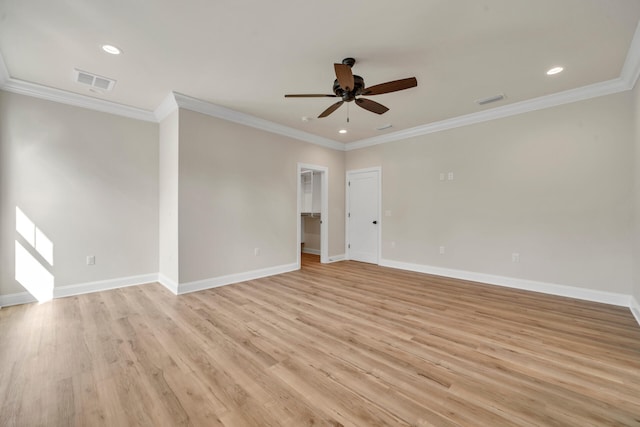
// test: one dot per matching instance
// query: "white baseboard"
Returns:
(168, 283)
(81, 288)
(635, 308)
(511, 282)
(311, 251)
(215, 282)
(337, 258)
(103, 285)
(16, 299)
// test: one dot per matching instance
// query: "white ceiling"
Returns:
(246, 54)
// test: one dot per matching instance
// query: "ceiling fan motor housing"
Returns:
(358, 83)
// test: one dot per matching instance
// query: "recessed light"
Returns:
(554, 70)
(111, 49)
(342, 131)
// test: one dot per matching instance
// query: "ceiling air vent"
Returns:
(489, 100)
(93, 80)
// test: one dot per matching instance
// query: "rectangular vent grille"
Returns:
(490, 99)
(93, 80)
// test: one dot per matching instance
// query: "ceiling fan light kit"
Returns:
(349, 86)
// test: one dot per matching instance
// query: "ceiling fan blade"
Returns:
(344, 76)
(372, 106)
(393, 86)
(331, 109)
(310, 95)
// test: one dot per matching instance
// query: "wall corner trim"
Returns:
(168, 283)
(515, 283)
(215, 282)
(166, 107)
(631, 68)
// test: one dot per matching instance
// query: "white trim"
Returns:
(512, 282)
(215, 282)
(635, 308)
(16, 299)
(631, 68)
(64, 97)
(580, 94)
(103, 285)
(210, 109)
(81, 288)
(166, 107)
(168, 283)
(324, 210)
(311, 251)
(337, 258)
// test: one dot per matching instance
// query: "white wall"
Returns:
(554, 186)
(168, 199)
(238, 191)
(88, 181)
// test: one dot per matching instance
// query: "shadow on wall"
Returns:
(34, 258)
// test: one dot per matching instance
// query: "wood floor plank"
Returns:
(342, 344)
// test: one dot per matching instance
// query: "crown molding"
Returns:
(64, 97)
(210, 109)
(166, 107)
(543, 102)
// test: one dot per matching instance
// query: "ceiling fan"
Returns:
(348, 86)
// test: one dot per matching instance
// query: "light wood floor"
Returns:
(342, 344)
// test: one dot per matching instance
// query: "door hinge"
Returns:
(349, 246)
(349, 215)
(349, 183)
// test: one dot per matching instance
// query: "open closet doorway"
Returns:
(313, 211)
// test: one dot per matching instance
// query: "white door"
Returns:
(363, 222)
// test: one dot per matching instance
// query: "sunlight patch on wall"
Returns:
(32, 272)
(32, 275)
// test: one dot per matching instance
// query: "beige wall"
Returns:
(168, 199)
(554, 186)
(238, 192)
(87, 180)
(558, 186)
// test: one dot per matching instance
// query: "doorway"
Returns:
(313, 211)
(363, 215)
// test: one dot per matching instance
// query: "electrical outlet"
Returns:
(441, 176)
(256, 251)
(450, 176)
(441, 250)
(91, 259)
(515, 257)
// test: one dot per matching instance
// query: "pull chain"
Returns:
(347, 112)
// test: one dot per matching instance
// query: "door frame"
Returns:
(324, 210)
(377, 169)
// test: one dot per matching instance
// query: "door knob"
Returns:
(375, 222)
